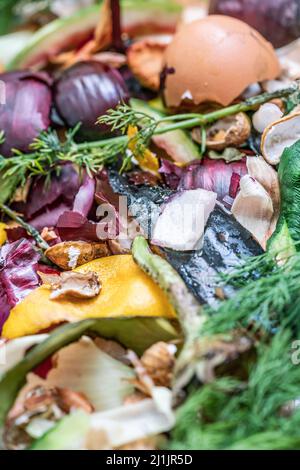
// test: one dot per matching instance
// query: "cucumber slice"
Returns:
(68, 434)
(177, 144)
(78, 28)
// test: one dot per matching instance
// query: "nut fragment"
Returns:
(69, 255)
(231, 131)
(145, 59)
(45, 404)
(159, 361)
(72, 284)
(279, 135)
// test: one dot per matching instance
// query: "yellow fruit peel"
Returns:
(126, 292)
(3, 234)
(146, 159)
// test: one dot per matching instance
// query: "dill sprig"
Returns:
(268, 297)
(124, 116)
(41, 243)
(48, 151)
(258, 413)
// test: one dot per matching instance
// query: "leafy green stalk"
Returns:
(41, 243)
(287, 232)
(49, 151)
(123, 116)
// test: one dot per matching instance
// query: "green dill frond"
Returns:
(124, 116)
(268, 297)
(228, 414)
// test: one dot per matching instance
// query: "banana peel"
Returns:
(126, 292)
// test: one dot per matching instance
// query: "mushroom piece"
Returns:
(145, 59)
(231, 131)
(279, 135)
(69, 255)
(72, 284)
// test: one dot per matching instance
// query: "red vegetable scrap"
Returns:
(86, 91)
(277, 20)
(212, 175)
(26, 110)
(18, 274)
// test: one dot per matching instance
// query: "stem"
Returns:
(190, 119)
(101, 143)
(29, 229)
(117, 41)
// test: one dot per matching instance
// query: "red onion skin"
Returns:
(117, 42)
(26, 111)
(85, 197)
(85, 92)
(277, 20)
(212, 175)
(18, 277)
(72, 225)
(63, 187)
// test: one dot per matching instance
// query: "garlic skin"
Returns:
(279, 135)
(266, 115)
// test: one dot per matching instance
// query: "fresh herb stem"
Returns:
(29, 229)
(191, 120)
(48, 151)
(102, 143)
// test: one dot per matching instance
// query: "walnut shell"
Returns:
(159, 361)
(231, 131)
(69, 255)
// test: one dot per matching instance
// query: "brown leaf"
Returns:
(145, 59)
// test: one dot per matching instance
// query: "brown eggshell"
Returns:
(215, 59)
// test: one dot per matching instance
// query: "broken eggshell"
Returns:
(279, 135)
(252, 207)
(231, 131)
(215, 59)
